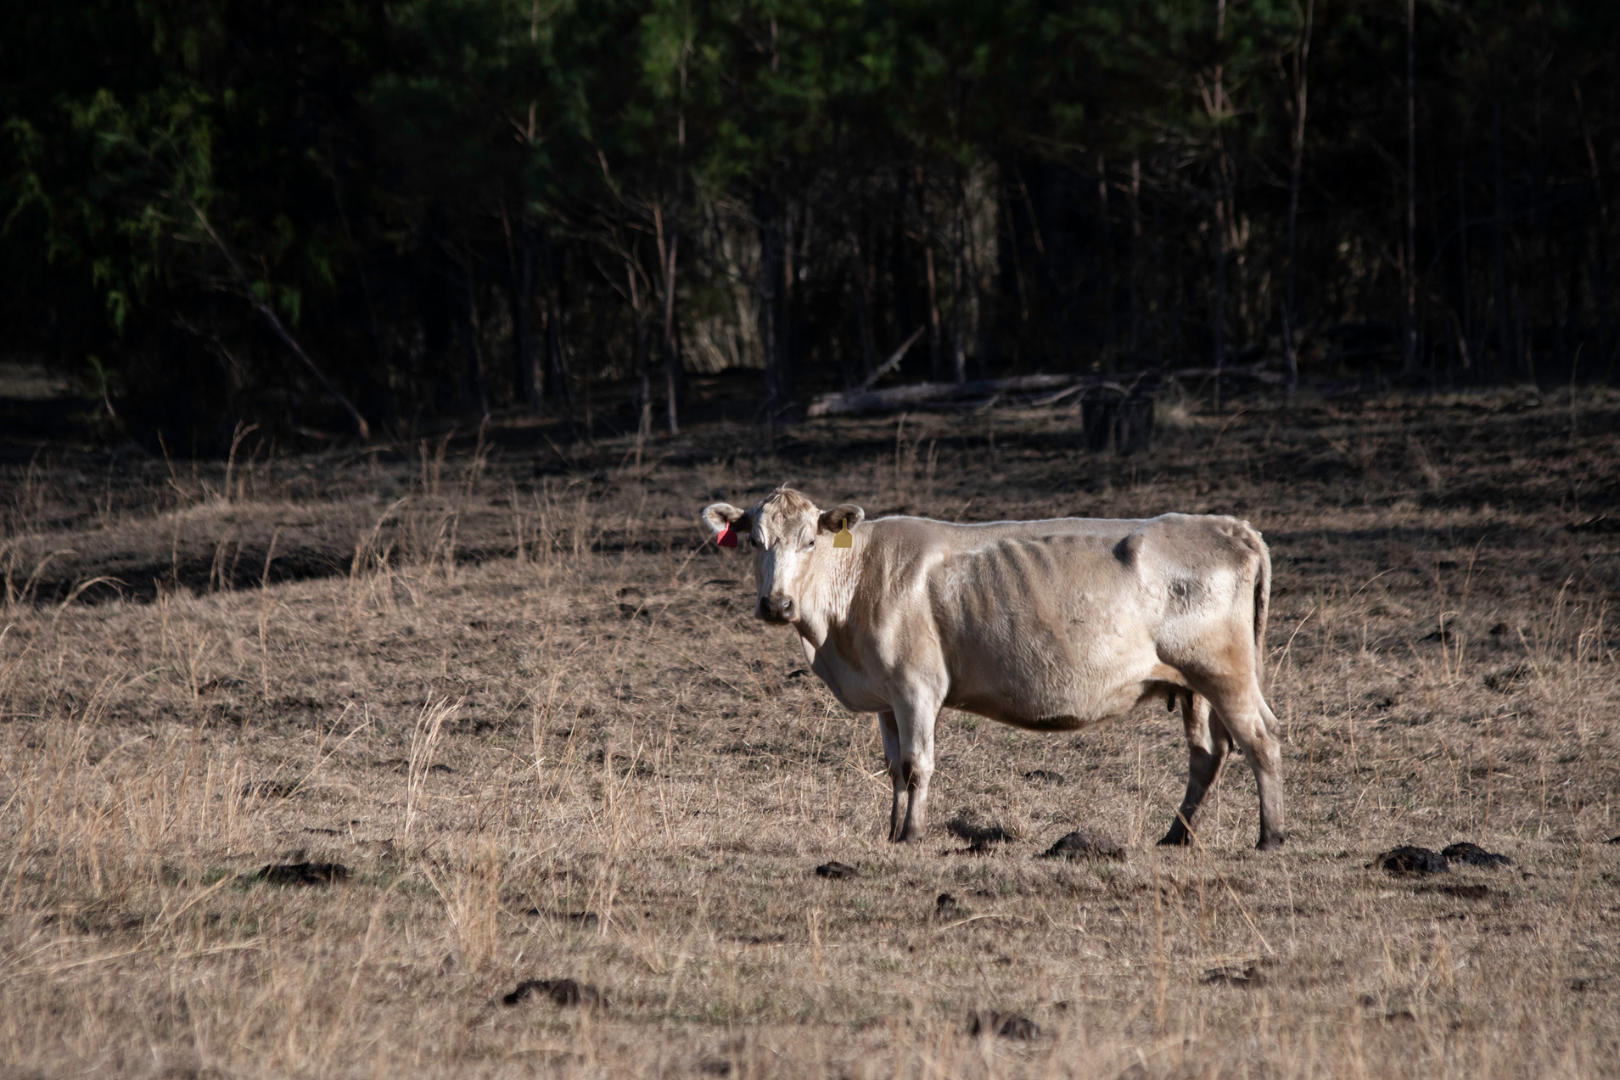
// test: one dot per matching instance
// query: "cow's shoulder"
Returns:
(898, 541)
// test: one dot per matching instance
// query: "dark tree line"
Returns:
(340, 214)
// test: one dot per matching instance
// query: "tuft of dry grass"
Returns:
(533, 717)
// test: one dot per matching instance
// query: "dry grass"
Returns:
(533, 718)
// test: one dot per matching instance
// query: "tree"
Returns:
(330, 215)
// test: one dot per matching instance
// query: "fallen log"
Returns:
(1020, 390)
(921, 395)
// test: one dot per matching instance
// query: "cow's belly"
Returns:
(1049, 700)
(1053, 676)
(1036, 712)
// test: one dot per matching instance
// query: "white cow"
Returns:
(1047, 625)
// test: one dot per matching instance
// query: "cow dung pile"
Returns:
(1006, 1025)
(1232, 975)
(1474, 855)
(979, 835)
(837, 870)
(561, 991)
(1408, 859)
(1083, 845)
(304, 873)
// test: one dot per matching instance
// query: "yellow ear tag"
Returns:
(843, 538)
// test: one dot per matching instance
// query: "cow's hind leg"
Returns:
(1246, 714)
(897, 776)
(1269, 780)
(1207, 744)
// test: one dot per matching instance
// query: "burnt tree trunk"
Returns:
(556, 372)
(959, 286)
(1467, 346)
(520, 277)
(1219, 318)
(899, 278)
(1508, 355)
(863, 305)
(1106, 269)
(1409, 264)
(771, 331)
(638, 307)
(668, 246)
(1302, 57)
(474, 394)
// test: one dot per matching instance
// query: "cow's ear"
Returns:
(841, 516)
(723, 517)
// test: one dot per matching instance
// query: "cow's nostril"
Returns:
(775, 609)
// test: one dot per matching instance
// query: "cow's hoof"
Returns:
(1270, 842)
(1179, 835)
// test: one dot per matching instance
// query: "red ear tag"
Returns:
(727, 538)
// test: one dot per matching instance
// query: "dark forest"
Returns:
(347, 218)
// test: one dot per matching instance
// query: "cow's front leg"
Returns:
(1207, 744)
(897, 776)
(915, 724)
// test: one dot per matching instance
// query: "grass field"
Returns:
(511, 688)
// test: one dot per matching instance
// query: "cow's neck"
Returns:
(826, 593)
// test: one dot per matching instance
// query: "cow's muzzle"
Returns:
(776, 609)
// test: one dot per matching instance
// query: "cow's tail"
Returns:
(1262, 603)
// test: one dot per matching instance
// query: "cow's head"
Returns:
(784, 530)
